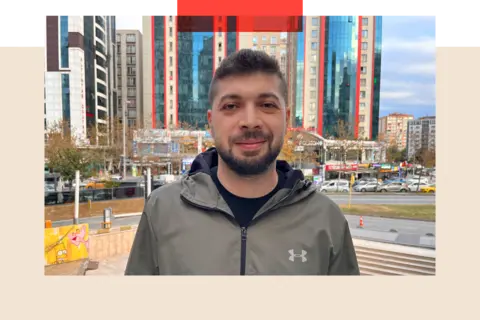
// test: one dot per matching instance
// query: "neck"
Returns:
(247, 186)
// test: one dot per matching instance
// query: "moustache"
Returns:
(250, 135)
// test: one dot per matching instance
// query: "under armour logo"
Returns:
(294, 255)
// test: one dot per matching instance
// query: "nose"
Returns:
(250, 118)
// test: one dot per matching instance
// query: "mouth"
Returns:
(251, 144)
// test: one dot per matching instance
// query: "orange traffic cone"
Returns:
(48, 223)
(361, 222)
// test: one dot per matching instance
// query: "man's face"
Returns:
(248, 121)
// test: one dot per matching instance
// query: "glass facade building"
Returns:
(159, 71)
(340, 72)
(300, 77)
(376, 77)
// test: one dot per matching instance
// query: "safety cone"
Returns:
(361, 222)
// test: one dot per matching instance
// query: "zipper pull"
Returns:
(244, 233)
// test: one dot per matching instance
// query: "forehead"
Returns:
(249, 86)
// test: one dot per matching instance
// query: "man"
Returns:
(239, 211)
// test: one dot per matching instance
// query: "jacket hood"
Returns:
(207, 160)
(198, 186)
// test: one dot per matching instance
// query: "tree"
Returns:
(426, 157)
(288, 150)
(62, 151)
(344, 141)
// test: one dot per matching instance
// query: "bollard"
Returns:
(107, 218)
(48, 224)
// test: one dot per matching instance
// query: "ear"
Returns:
(287, 116)
(209, 119)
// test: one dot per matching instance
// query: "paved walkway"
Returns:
(114, 266)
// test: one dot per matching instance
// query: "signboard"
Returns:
(341, 167)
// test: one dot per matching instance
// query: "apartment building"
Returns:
(79, 77)
(178, 68)
(421, 135)
(393, 129)
(129, 77)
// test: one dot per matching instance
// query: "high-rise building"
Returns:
(393, 129)
(79, 74)
(177, 69)
(129, 77)
(421, 135)
(339, 59)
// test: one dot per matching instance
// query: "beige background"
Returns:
(27, 293)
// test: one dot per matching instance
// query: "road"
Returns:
(398, 231)
(372, 198)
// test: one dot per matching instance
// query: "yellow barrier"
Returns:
(66, 244)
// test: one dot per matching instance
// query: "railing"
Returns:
(67, 197)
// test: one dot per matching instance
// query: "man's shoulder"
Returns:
(167, 190)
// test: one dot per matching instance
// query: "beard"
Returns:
(252, 163)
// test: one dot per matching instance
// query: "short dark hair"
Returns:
(244, 62)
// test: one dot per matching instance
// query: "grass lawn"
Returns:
(416, 212)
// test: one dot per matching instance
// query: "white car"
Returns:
(415, 186)
(335, 186)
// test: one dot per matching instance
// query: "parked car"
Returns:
(429, 189)
(393, 187)
(415, 186)
(367, 187)
(335, 186)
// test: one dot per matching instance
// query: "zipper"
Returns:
(243, 253)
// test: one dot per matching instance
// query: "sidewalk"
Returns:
(114, 266)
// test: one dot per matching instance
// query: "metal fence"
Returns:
(67, 197)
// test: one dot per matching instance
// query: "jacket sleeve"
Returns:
(143, 257)
(344, 261)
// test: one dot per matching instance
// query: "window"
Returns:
(131, 60)
(283, 52)
(314, 45)
(272, 49)
(132, 122)
(264, 38)
(171, 89)
(254, 39)
(171, 75)
(365, 21)
(362, 94)
(219, 59)
(313, 94)
(273, 40)
(170, 32)
(170, 19)
(363, 82)
(131, 49)
(315, 22)
(364, 58)
(131, 71)
(264, 48)
(313, 70)
(131, 92)
(313, 82)
(361, 118)
(171, 104)
(220, 47)
(364, 33)
(132, 113)
(131, 38)
(170, 46)
(363, 70)
(314, 33)
(171, 119)
(364, 45)
(312, 106)
(170, 61)
(311, 117)
(131, 81)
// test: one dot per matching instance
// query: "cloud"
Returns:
(422, 45)
(407, 93)
(393, 95)
(420, 69)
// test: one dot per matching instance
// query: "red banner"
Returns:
(341, 167)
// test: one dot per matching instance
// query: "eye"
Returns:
(229, 106)
(269, 105)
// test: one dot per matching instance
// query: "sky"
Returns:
(408, 63)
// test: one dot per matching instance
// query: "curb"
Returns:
(126, 215)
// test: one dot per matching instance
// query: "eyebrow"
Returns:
(238, 97)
